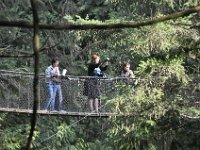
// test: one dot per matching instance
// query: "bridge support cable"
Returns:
(76, 122)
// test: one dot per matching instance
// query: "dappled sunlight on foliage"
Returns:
(160, 111)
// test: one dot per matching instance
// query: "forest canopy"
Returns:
(166, 54)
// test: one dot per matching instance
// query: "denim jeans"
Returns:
(59, 91)
(51, 87)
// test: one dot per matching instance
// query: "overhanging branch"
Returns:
(15, 56)
(128, 24)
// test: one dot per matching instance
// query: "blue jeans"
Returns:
(58, 89)
(51, 87)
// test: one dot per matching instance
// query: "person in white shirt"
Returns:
(53, 83)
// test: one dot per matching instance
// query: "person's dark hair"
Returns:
(54, 60)
(126, 64)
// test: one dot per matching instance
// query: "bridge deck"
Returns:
(64, 113)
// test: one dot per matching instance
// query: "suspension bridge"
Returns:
(16, 95)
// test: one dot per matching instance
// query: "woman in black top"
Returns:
(95, 69)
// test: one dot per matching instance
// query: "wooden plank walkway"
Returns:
(64, 113)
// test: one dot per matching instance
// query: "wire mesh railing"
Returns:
(17, 91)
(116, 94)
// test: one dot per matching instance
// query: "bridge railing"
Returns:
(17, 91)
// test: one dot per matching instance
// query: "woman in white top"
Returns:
(53, 81)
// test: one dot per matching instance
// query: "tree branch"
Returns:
(36, 45)
(46, 48)
(15, 56)
(127, 24)
(189, 117)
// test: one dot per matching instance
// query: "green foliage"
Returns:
(80, 20)
(13, 132)
(164, 56)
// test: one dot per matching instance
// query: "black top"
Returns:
(91, 69)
